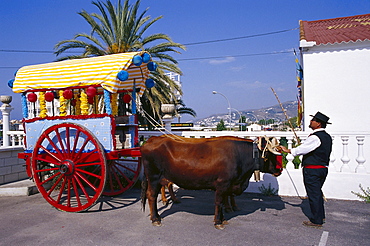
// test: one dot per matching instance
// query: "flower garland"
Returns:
(24, 105)
(43, 111)
(62, 104)
(77, 106)
(108, 108)
(114, 104)
(84, 104)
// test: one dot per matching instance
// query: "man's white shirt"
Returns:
(310, 144)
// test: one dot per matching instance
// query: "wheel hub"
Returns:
(66, 167)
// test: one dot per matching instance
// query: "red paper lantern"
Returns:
(91, 91)
(73, 102)
(126, 98)
(49, 96)
(32, 97)
(68, 94)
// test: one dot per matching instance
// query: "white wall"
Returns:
(337, 83)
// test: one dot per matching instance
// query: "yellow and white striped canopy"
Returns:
(100, 70)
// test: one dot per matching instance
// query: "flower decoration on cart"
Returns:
(83, 86)
(81, 124)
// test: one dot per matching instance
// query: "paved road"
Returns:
(120, 221)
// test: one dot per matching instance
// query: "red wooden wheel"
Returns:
(122, 174)
(69, 167)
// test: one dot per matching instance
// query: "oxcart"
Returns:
(81, 126)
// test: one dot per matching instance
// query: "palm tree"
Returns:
(182, 109)
(119, 29)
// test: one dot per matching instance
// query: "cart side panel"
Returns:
(101, 128)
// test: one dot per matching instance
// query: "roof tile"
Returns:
(337, 30)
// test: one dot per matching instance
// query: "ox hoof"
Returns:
(156, 223)
(220, 226)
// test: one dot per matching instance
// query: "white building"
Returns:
(336, 71)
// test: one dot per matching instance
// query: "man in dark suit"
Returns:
(316, 151)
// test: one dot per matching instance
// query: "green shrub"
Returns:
(268, 191)
(366, 194)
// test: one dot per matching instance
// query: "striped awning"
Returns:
(100, 70)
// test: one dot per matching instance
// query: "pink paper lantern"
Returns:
(126, 98)
(49, 96)
(91, 91)
(32, 97)
(68, 94)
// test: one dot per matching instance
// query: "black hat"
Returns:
(321, 117)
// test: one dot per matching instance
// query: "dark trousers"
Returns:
(313, 181)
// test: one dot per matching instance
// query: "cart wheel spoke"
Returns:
(122, 174)
(69, 167)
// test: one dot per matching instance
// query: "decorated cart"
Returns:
(81, 126)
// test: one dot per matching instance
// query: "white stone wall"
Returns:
(11, 168)
(337, 83)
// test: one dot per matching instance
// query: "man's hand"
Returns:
(284, 149)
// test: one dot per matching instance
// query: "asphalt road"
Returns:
(120, 221)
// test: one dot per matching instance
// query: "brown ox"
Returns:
(223, 164)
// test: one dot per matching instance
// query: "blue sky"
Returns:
(240, 72)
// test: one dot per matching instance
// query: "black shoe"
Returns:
(310, 224)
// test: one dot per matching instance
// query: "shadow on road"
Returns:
(201, 202)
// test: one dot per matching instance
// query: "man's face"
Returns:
(314, 124)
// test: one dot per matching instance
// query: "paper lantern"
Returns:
(32, 97)
(126, 98)
(123, 75)
(73, 102)
(137, 60)
(149, 83)
(91, 91)
(49, 96)
(68, 94)
(152, 66)
(146, 57)
(10, 83)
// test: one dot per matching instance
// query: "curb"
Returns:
(18, 188)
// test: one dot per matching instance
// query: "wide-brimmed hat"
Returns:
(321, 117)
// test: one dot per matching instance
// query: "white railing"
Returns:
(349, 163)
(351, 151)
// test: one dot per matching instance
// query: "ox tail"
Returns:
(144, 188)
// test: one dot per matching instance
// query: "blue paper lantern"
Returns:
(137, 60)
(146, 57)
(10, 83)
(123, 75)
(149, 83)
(152, 66)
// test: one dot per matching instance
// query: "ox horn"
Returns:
(272, 147)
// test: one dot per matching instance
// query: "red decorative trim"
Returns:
(72, 88)
(113, 123)
(74, 117)
(116, 154)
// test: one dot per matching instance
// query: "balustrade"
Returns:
(360, 157)
(346, 147)
(345, 158)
